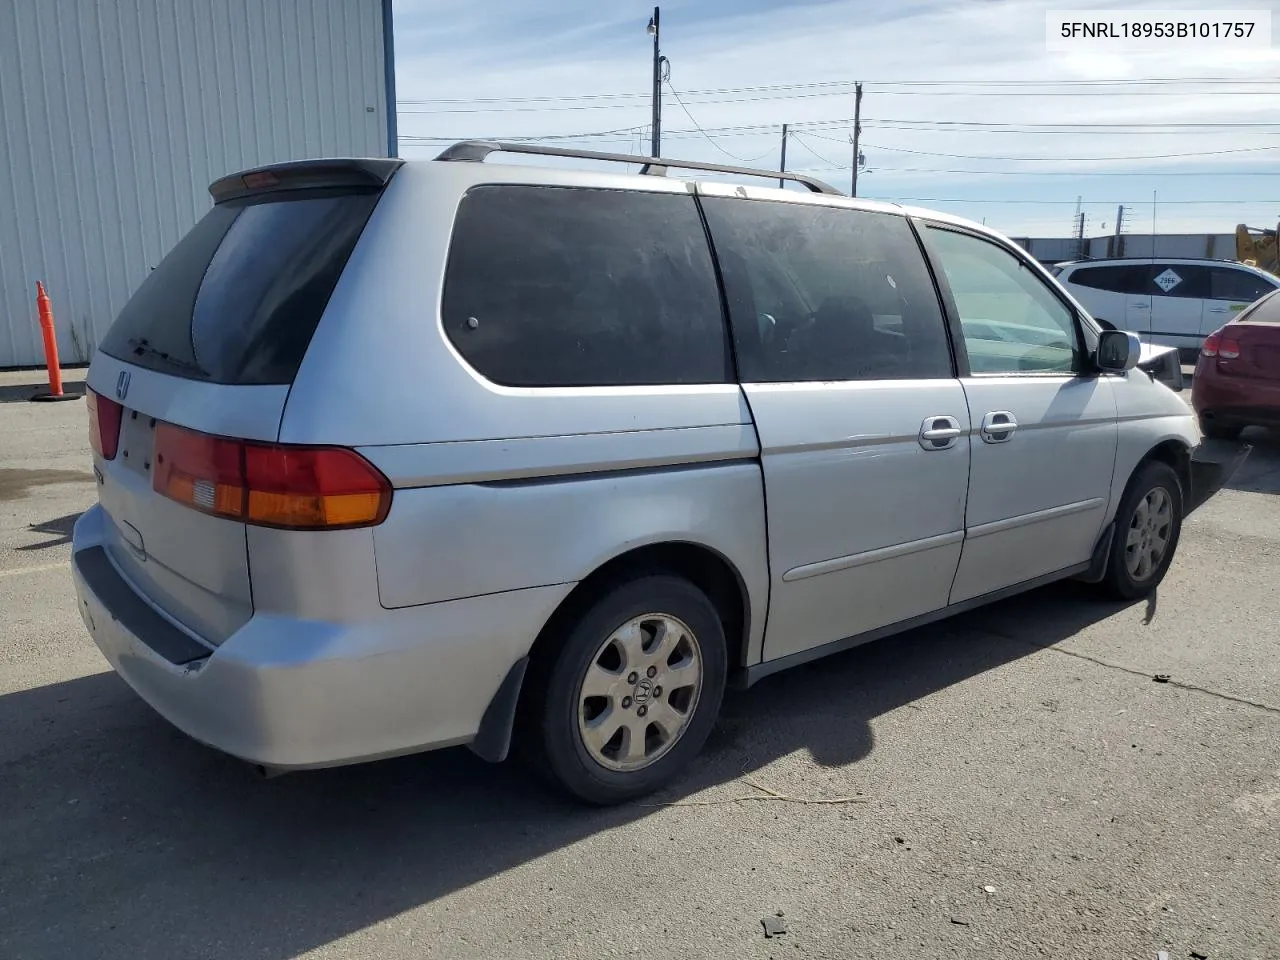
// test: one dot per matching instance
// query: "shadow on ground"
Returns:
(119, 832)
(22, 392)
(59, 528)
(1261, 472)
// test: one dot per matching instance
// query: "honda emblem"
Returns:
(122, 384)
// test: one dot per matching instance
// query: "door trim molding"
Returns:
(804, 571)
(1053, 513)
(761, 670)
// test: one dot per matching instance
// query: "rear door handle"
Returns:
(1218, 310)
(1139, 306)
(939, 433)
(998, 426)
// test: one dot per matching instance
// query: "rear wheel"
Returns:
(1148, 525)
(629, 695)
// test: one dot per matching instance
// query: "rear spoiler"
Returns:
(358, 174)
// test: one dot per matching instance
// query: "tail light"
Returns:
(1229, 349)
(1211, 344)
(104, 424)
(271, 485)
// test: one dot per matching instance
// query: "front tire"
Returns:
(1148, 525)
(628, 697)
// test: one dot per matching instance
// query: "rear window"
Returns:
(1227, 283)
(566, 286)
(1266, 310)
(238, 299)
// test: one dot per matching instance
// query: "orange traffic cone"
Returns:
(45, 308)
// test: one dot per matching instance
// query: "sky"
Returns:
(965, 109)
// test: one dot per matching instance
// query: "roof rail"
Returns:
(478, 150)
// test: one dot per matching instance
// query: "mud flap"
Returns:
(493, 740)
(1098, 560)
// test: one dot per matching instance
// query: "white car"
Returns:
(1170, 301)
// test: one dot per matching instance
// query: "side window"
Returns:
(822, 293)
(1012, 321)
(1184, 280)
(560, 286)
(1226, 283)
(1127, 279)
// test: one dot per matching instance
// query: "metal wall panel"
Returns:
(116, 116)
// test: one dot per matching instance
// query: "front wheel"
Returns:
(1148, 525)
(630, 694)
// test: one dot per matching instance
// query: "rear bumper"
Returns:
(292, 694)
(1213, 463)
(1243, 401)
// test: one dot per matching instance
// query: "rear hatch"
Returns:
(199, 361)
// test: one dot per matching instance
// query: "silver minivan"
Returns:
(399, 455)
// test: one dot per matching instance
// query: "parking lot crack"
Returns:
(1232, 698)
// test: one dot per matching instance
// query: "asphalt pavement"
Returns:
(1011, 783)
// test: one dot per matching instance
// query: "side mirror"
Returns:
(1118, 351)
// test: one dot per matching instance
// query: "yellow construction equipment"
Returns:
(1258, 247)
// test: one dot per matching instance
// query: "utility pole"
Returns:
(1117, 238)
(857, 133)
(1154, 199)
(782, 167)
(654, 28)
(1077, 227)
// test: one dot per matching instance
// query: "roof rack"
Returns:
(477, 151)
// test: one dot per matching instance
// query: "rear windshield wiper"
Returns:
(143, 347)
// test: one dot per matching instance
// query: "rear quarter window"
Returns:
(239, 298)
(567, 286)
(1228, 283)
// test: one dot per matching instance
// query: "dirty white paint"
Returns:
(115, 118)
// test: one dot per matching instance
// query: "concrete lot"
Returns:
(1024, 789)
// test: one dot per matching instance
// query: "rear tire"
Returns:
(626, 699)
(1148, 525)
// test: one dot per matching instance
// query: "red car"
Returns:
(1237, 380)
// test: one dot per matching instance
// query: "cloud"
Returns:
(450, 55)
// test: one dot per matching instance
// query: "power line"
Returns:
(711, 139)
(839, 123)
(1073, 173)
(1108, 203)
(832, 166)
(993, 126)
(560, 106)
(707, 132)
(1154, 156)
(814, 153)
(849, 84)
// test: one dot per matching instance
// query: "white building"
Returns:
(115, 117)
